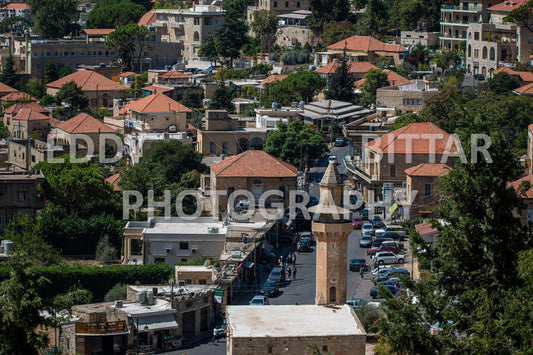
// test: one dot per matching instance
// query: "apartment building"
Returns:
(15, 10)
(278, 6)
(19, 194)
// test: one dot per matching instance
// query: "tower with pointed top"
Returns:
(331, 226)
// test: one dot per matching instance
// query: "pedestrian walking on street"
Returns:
(293, 259)
(215, 335)
(294, 274)
(289, 272)
(362, 270)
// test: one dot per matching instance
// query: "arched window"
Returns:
(492, 54)
(256, 144)
(196, 37)
(469, 50)
(242, 145)
(332, 295)
(484, 53)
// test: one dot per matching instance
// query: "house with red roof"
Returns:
(127, 78)
(356, 69)
(524, 188)
(384, 160)
(27, 121)
(17, 96)
(14, 109)
(6, 89)
(15, 10)
(84, 130)
(156, 113)
(361, 48)
(114, 180)
(254, 171)
(99, 90)
(422, 180)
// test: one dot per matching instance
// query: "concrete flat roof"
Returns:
(291, 321)
(136, 309)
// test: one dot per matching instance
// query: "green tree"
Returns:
(341, 85)
(222, 99)
(72, 95)
(65, 70)
(15, 24)
(100, 113)
(502, 83)
(407, 13)
(404, 120)
(191, 99)
(116, 293)
(374, 79)
(4, 132)
(208, 49)
(116, 13)
(8, 75)
(75, 187)
(36, 88)
(50, 72)
(19, 310)
(105, 252)
(74, 296)
(337, 31)
(305, 84)
(265, 26)
(522, 15)
(231, 34)
(375, 21)
(295, 143)
(124, 40)
(63, 12)
(326, 11)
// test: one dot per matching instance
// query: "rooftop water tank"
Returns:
(141, 297)
(8, 246)
(150, 297)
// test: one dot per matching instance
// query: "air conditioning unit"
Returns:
(404, 184)
(169, 250)
(194, 250)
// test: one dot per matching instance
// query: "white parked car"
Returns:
(388, 257)
(381, 269)
(367, 229)
(259, 301)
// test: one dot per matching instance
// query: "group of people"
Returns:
(288, 263)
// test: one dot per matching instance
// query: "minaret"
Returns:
(331, 226)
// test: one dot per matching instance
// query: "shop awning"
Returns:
(159, 322)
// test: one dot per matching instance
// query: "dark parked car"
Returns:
(277, 274)
(377, 222)
(374, 292)
(382, 276)
(479, 77)
(392, 235)
(340, 142)
(304, 244)
(376, 243)
(393, 248)
(270, 288)
(355, 264)
(364, 214)
(366, 241)
(356, 303)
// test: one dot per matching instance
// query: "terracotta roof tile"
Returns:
(516, 184)
(522, 75)
(507, 6)
(33, 105)
(84, 123)
(27, 114)
(88, 80)
(392, 77)
(253, 163)
(6, 88)
(147, 19)
(18, 6)
(425, 228)
(396, 142)
(17, 96)
(353, 67)
(365, 44)
(427, 169)
(157, 102)
(98, 31)
(128, 73)
(526, 90)
(155, 88)
(273, 78)
(174, 75)
(114, 179)
(530, 127)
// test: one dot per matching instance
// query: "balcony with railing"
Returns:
(356, 166)
(461, 7)
(454, 22)
(451, 37)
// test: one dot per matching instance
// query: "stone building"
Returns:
(26, 122)
(99, 90)
(254, 171)
(399, 99)
(422, 178)
(228, 136)
(19, 194)
(428, 39)
(331, 229)
(526, 214)
(195, 274)
(266, 330)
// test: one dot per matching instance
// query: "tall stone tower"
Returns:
(331, 227)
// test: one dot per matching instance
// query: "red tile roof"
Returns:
(157, 102)
(392, 77)
(27, 114)
(174, 75)
(13, 96)
(18, 6)
(353, 67)
(507, 6)
(253, 163)
(84, 123)
(516, 185)
(273, 78)
(128, 73)
(6, 88)
(526, 90)
(88, 80)
(155, 88)
(530, 127)
(365, 44)
(522, 75)
(396, 142)
(98, 31)
(114, 180)
(33, 105)
(427, 169)
(147, 19)
(425, 228)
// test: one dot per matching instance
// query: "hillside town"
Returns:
(312, 177)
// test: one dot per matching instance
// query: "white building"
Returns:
(15, 10)
(135, 144)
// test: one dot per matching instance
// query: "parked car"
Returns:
(259, 301)
(392, 235)
(377, 222)
(356, 303)
(309, 235)
(396, 228)
(367, 229)
(332, 159)
(357, 223)
(382, 276)
(388, 257)
(376, 242)
(393, 243)
(374, 292)
(340, 142)
(392, 248)
(355, 264)
(270, 288)
(381, 269)
(277, 274)
(364, 214)
(242, 205)
(304, 244)
(479, 77)
(366, 241)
